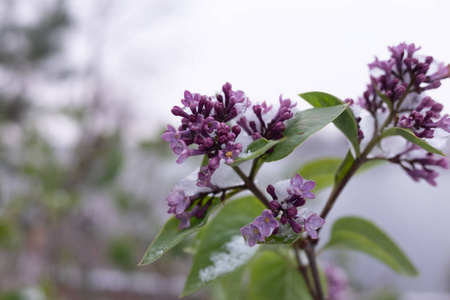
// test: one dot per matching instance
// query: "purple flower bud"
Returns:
(428, 175)
(292, 212)
(236, 129)
(208, 142)
(178, 111)
(274, 205)
(214, 163)
(256, 136)
(295, 226)
(271, 190)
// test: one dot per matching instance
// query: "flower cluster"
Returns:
(206, 129)
(402, 74)
(398, 91)
(425, 119)
(264, 126)
(286, 208)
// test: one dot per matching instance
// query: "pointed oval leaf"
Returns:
(353, 233)
(170, 235)
(323, 170)
(409, 135)
(302, 126)
(345, 122)
(222, 248)
(275, 277)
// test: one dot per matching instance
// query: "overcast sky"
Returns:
(151, 51)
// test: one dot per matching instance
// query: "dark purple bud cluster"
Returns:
(399, 89)
(419, 167)
(298, 191)
(402, 74)
(422, 120)
(273, 129)
(204, 129)
(185, 207)
(265, 225)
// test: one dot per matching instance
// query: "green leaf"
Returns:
(302, 126)
(345, 122)
(222, 248)
(323, 170)
(275, 277)
(410, 136)
(256, 149)
(170, 235)
(229, 287)
(354, 233)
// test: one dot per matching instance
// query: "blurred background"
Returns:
(86, 89)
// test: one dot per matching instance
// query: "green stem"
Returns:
(310, 253)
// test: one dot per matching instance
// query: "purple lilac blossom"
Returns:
(252, 234)
(337, 282)
(230, 152)
(177, 201)
(266, 223)
(397, 87)
(284, 205)
(271, 129)
(301, 187)
(313, 223)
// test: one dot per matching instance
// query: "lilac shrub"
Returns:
(394, 121)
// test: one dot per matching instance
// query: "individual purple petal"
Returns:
(312, 223)
(266, 222)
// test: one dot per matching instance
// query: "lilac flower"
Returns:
(301, 187)
(171, 135)
(186, 216)
(337, 282)
(312, 223)
(428, 175)
(251, 234)
(266, 223)
(230, 152)
(294, 193)
(268, 129)
(444, 123)
(206, 172)
(190, 100)
(182, 150)
(177, 201)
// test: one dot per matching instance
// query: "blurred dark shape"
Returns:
(73, 217)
